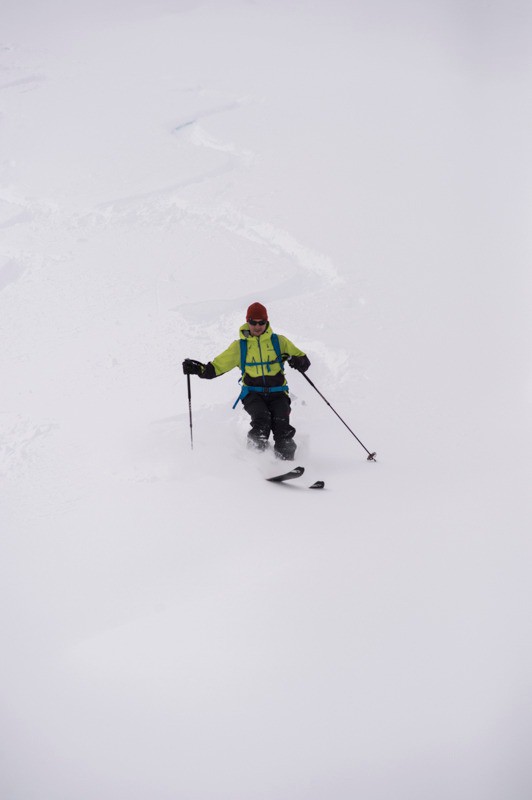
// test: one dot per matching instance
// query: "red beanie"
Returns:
(256, 311)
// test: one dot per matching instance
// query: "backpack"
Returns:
(243, 364)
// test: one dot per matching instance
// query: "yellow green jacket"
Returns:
(262, 364)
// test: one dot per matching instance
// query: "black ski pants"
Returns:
(270, 413)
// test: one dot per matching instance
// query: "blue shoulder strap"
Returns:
(243, 354)
(277, 348)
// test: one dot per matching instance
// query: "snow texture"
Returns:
(175, 626)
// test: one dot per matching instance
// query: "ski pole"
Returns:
(190, 412)
(371, 456)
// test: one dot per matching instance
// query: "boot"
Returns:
(257, 440)
(285, 449)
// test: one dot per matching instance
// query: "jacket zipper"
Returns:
(262, 362)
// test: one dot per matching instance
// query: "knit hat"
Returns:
(256, 311)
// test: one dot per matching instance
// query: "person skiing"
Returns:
(260, 354)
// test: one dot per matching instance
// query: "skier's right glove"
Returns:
(301, 363)
(192, 367)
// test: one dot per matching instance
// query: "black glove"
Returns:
(192, 367)
(301, 363)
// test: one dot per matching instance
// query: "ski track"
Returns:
(209, 112)
(310, 271)
(28, 84)
(51, 228)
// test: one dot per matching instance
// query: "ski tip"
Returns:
(296, 472)
(317, 485)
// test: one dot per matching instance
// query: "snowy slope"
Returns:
(174, 625)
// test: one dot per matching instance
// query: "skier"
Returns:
(260, 354)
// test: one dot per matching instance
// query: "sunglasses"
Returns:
(258, 321)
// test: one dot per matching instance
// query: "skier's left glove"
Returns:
(301, 363)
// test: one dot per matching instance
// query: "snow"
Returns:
(174, 625)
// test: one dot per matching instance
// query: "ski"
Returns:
(297, 472)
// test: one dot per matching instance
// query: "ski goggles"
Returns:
(257, 321)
